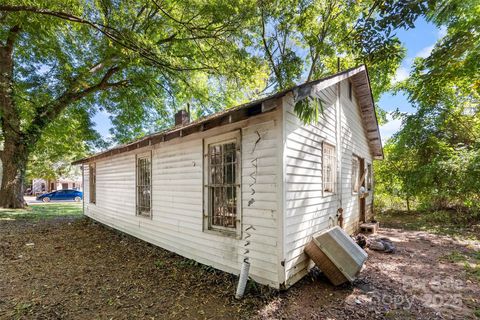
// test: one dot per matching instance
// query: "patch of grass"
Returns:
(159, 264)
(470, 260)
(454, 257)
(42, 211)
(473, 270)
(476, 313)
(22, 309)
(437, 222)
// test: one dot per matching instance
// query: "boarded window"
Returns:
(222, 185)
(369, 177)
(355, 174)
(92, 182)
(144, 185)
(329, 171)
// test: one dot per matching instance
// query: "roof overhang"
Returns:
(363, 93)
(358, 76)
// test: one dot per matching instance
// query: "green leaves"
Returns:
(309, 109)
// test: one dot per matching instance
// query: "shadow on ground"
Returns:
(74, 268)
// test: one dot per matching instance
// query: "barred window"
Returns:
(144, 185)
(355, 174)
(92, 174)
(222, 185)
(369, 177)
(329, 171)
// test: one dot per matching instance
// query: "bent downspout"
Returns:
(242, 282)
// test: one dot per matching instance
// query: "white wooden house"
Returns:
(252, 182)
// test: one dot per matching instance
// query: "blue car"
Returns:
(64, 194)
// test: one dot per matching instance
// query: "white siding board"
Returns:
(177, 199)
(307, 209)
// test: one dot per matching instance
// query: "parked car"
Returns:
(64, 194)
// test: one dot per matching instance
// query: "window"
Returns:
(355, 173)
(328, 166)
(350, 91)
(73, 185)
(64, 185)
(144, 185)
(222, 185)
(369, 177)
(92, 171)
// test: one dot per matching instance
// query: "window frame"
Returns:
(139, 156)
(92, 183)
(221, 139)
(334, 170)
(357, 179)
(369, 177)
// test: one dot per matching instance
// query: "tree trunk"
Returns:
(15, 152)
(14, 162)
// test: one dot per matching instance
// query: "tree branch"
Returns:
(12, 36)
(110, 32)
(50, 111)
(267, 50)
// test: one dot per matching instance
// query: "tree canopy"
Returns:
(435, 157)
(139, 61)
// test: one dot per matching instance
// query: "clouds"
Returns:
(400, 75)
(425, 52)
(390, 128)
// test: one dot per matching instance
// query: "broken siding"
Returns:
(307, 210)
(354, 142)
(177, 199)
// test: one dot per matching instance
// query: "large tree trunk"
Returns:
(15, 152)
(14, 161)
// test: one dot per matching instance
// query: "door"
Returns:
(59, 195)
(362, 176)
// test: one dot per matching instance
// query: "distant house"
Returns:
(252, 182)
(42, 185)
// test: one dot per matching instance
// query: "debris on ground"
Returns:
(87, 271)
(381, 244)
(361, 240)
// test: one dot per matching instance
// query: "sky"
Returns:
(418, 42)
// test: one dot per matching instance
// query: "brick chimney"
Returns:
(182, 118)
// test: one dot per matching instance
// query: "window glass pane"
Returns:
(369, 177)
(328, 168)
(355, 173)
(92, 183)
(144, 177)
(222, 186)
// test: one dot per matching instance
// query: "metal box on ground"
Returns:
(337, 255)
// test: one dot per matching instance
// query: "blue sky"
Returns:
(418, 42)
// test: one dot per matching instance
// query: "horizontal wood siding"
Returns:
(354, 142)
(307, 209)
(177, 199)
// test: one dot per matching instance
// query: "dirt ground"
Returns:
(72, 268)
